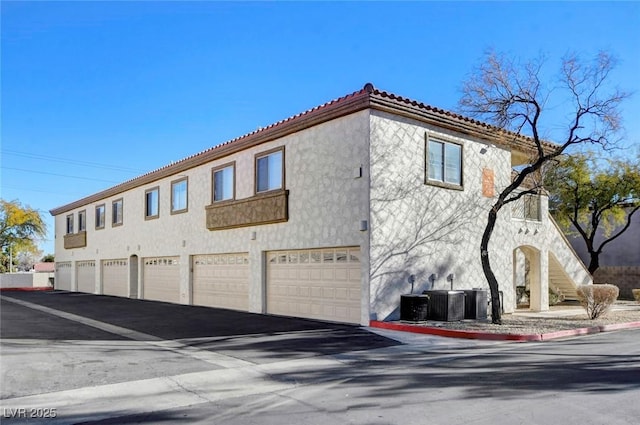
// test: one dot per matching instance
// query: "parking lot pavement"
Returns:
(56, 341)
(95, 357)
(253, 337)
(20, 323)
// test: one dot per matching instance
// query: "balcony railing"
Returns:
(75, 240)
(272, 207)
(527, 208)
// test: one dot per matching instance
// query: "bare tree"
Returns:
(512, 96)
(410, 223)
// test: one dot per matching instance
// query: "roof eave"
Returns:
(368, 97)
(330, 111)
(453, 122)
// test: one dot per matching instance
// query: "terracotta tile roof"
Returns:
(366, 98)
(477, 128)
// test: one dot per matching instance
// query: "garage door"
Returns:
(86, 276)
(318, 284)
(162, 279)
(221, 280)
(114, 277)
(63, 276)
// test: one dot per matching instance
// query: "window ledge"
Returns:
(444, 185)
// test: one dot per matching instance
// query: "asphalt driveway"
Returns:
(57, 340)
(179, 322)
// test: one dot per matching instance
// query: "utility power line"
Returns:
(29, 189)
(70, 161)
(58, 175)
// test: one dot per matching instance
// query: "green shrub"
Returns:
(597, 298)
(555, 297)
(636, 294)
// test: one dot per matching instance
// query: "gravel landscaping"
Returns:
(559, 318)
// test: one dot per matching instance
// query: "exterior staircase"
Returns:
(566, 269)
(559, 280)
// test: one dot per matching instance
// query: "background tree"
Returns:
(20, 229)
(26, 260)
(49, 258)
(588, 199)
(512, 96)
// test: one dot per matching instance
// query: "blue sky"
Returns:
(95, 93)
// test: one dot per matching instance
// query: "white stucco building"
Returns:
(323, 215)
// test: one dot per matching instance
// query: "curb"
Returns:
(27, 289)
(452, 333)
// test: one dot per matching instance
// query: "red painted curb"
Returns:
(570, 332)
(618, 326)
(27, 289)
(452, 333)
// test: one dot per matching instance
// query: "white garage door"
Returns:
(317, 284)
(162, 279)
(114, 277)
(221, 280)
(63, 276)
(86, 276)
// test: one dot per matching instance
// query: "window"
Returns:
(69, 224)
(444, 162)
(116, 212)
(223, 182)
(270, 171)
(179, 196)
(152, 198)
(100, 216)
(82, 221)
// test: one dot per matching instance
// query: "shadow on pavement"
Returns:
(260, 336)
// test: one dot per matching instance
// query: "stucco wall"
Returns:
(625, 278)
(25, 280)
(368, 166)
(423, 230)
(327, 201)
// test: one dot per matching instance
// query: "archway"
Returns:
(528, 278)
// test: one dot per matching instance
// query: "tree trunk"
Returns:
(496, 316)
(594, 262)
